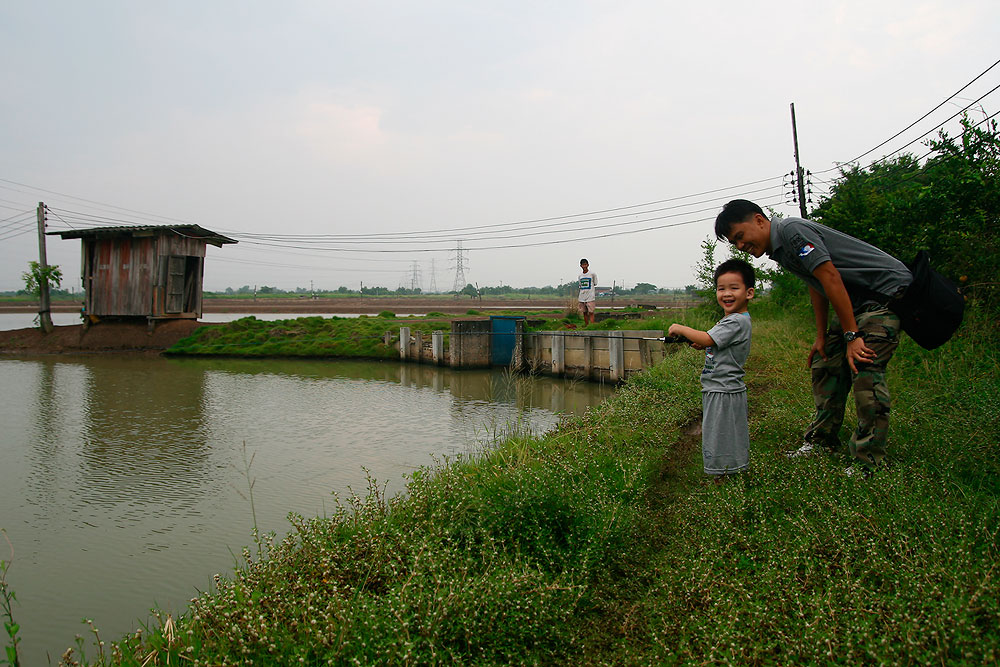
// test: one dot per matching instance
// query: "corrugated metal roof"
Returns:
(190, 231)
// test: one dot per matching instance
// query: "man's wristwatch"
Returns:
(851, 335)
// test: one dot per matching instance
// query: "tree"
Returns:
(948, 206)
(644, 288)
(35, 277)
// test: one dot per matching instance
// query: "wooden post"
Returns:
(44, 304)
(404, 343)
(418, 356)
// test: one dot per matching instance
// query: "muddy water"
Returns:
(124, 482)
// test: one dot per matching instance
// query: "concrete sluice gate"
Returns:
(600, 356)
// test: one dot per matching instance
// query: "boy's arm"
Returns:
(699, 339)
(836, 294)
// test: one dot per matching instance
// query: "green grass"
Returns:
(600, 543)
(303, 337)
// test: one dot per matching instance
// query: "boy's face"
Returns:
(584, 266)
(731, 293)
(753, 235)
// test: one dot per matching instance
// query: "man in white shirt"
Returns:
(588, 292)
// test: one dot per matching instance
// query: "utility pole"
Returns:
(799, 175)
(44, 304)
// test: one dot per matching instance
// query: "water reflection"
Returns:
(123, 481)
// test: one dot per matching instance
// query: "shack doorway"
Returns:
(183, 283)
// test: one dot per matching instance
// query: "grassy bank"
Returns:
(600, 543)
(302, 337)
(351, 337)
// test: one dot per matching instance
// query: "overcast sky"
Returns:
(446, 121)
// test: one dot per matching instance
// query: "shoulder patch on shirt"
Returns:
(806, 249)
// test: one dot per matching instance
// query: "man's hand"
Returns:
(859, 353)
(817, 346)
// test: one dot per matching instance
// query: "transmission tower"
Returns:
(415, 277)
(460, 264)
(434, 285)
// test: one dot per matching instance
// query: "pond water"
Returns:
(124, 481)
(12, 321)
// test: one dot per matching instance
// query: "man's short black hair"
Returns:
(736, 266)
(738, 210)
(584, 261)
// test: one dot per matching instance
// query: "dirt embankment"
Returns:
(104, 337)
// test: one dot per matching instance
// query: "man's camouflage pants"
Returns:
(832, 380)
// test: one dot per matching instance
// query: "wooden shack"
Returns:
(152, 271)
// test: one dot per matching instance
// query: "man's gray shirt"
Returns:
(802, 245)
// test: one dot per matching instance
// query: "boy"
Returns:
(725, 437)
(849, 275)
(588, 292)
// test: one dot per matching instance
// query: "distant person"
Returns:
(854, 348)
(588, 292)
(725, 435)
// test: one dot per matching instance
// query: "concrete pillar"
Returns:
(616, 356)
(518, 360)
(437, 347)
(418, 347)
(646, 351)
(404, 343)
(588, 354)
(558, 354)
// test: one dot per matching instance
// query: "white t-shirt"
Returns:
(588, 286)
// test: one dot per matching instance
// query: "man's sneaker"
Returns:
(807, 449)
(860, 471)
(866, 470)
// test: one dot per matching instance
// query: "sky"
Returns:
(345, 143)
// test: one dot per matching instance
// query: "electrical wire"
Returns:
(770, 201)
(948, 99)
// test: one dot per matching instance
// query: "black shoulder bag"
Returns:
(931, 308)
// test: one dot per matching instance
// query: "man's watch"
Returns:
(851, 335)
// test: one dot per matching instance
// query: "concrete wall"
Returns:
(600, 356)
(593, 355)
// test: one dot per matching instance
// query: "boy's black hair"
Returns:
(584, 260)
(736, 266)
(738, 210)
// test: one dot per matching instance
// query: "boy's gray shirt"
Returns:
(723, 371)
(801, 245)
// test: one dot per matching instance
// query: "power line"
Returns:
(766, 201)
(86, 219)
(949, 98)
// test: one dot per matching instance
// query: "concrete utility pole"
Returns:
(799, 174)
(44, 304)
